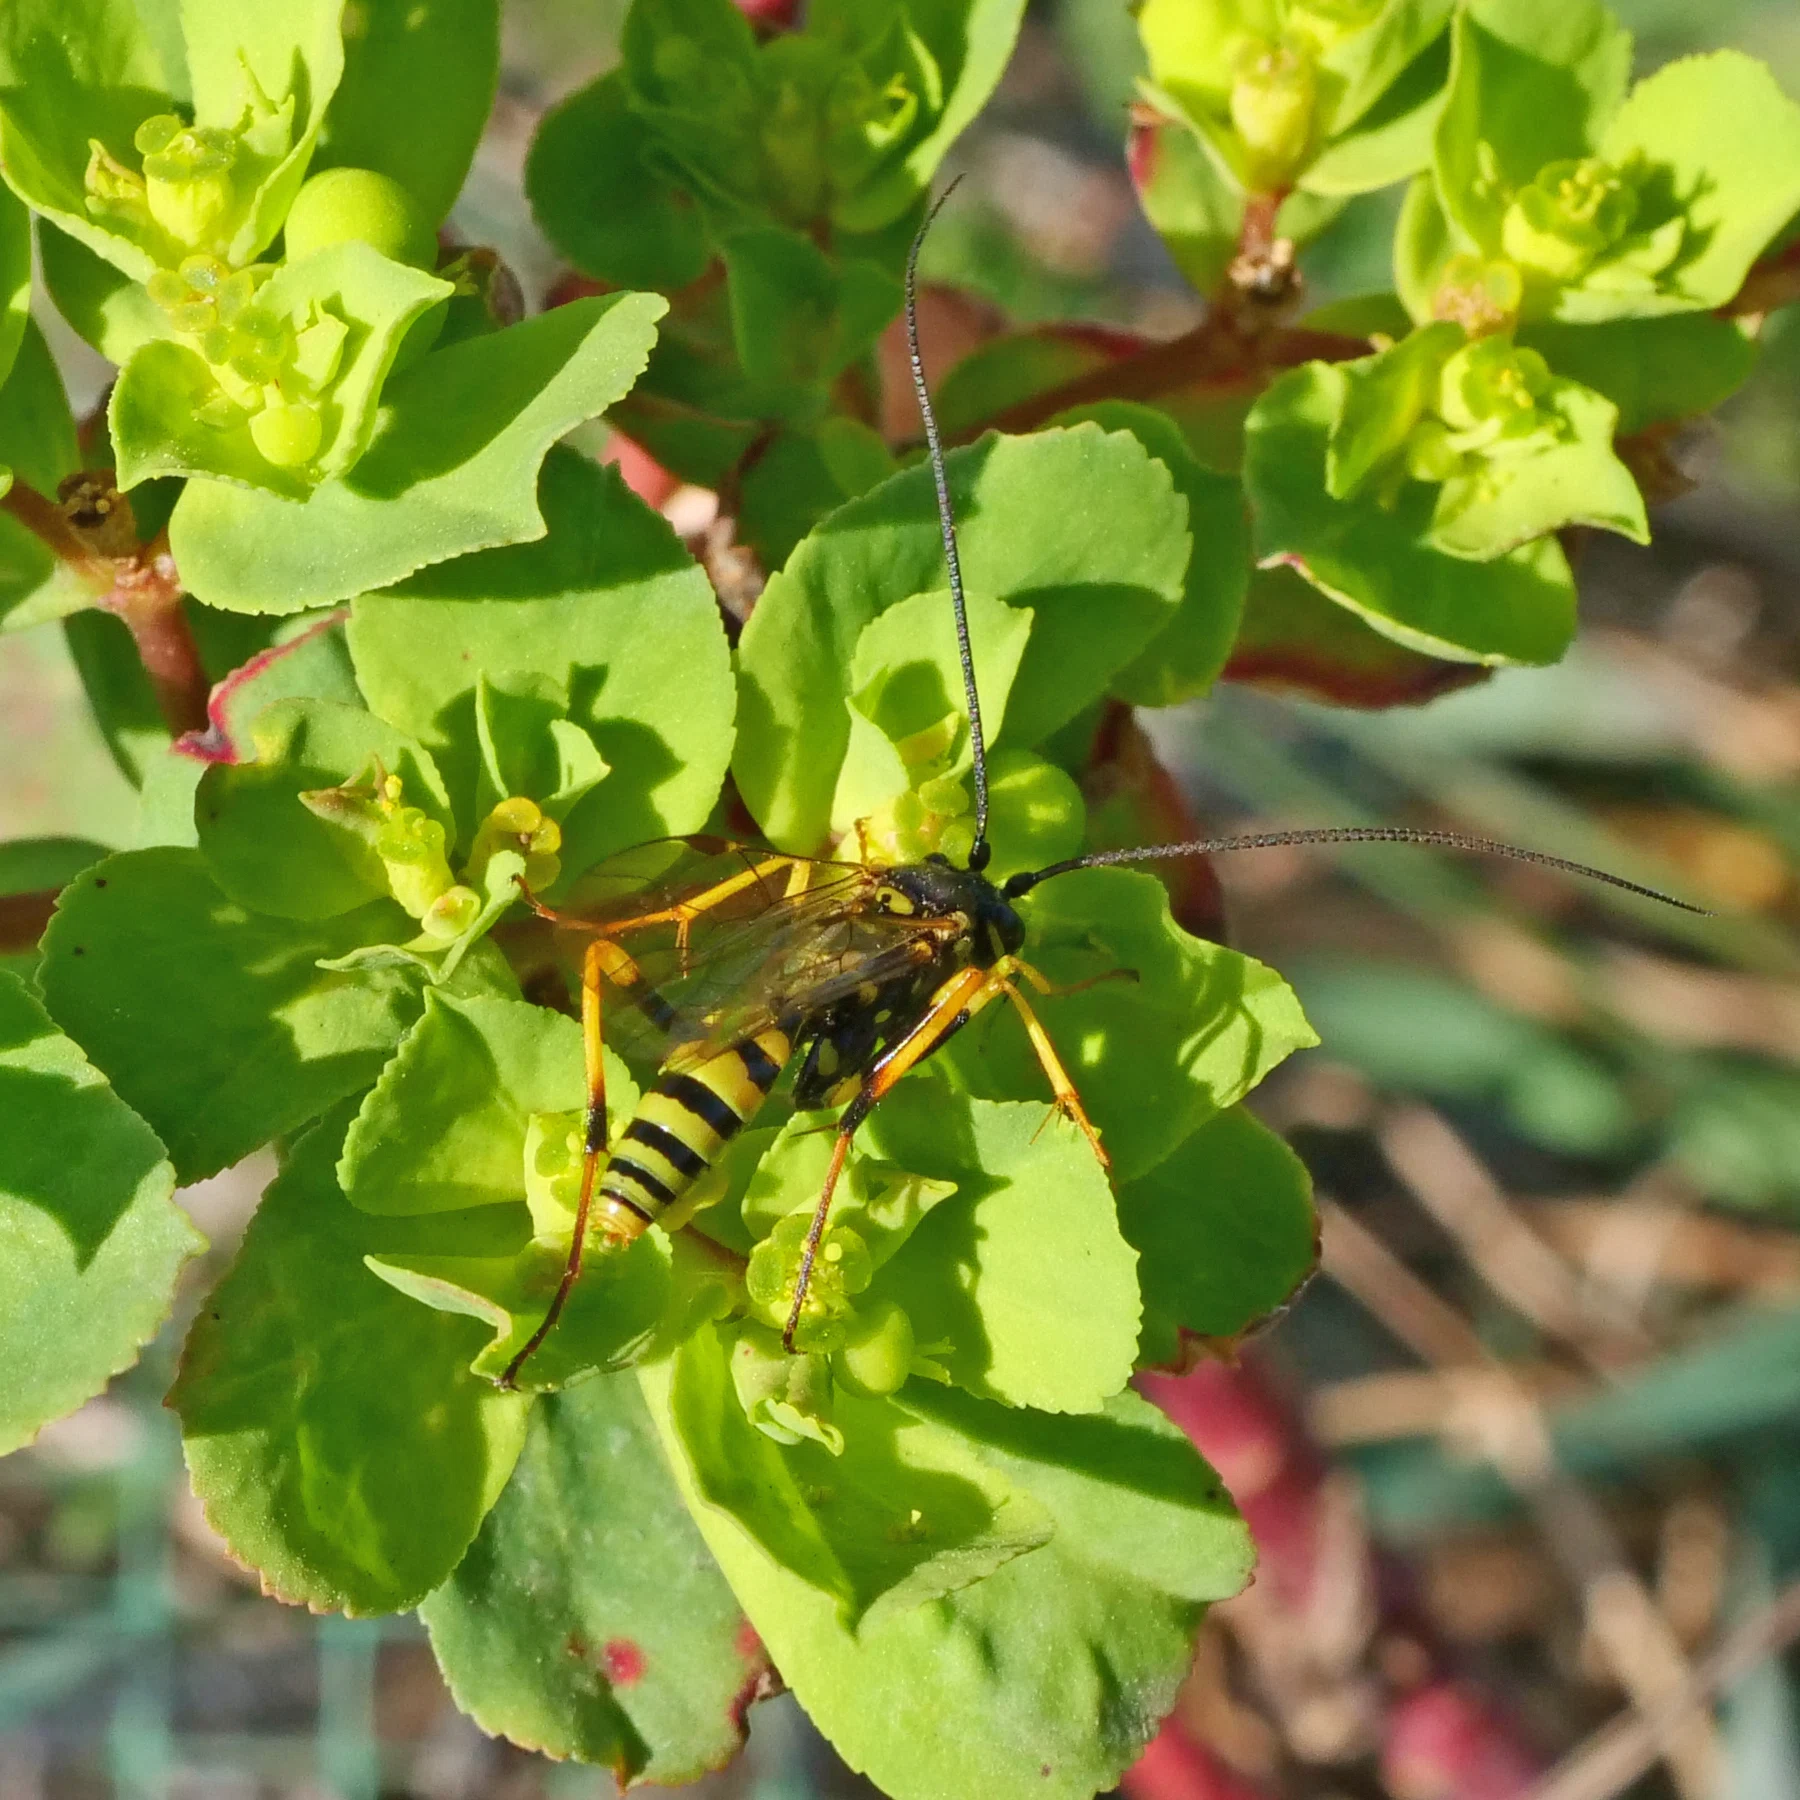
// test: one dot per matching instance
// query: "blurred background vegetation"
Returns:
(1525, 1459)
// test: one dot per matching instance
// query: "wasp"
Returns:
(748, 962)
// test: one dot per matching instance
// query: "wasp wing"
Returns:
(725, 938)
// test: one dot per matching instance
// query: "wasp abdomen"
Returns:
(684, 1120)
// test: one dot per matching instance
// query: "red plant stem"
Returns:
(141, 586)
(45, 520)
(1210, 358)
(148, 598)
(22, 920)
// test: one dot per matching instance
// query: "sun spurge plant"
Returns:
(430, 713)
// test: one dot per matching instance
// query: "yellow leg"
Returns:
(1068, 1101)
(964, 994)
(683, 913)
(601, 958)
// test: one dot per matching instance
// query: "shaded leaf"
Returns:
(1156, 1056)
(1047, 1678)
(588, 1619)
(15, 276)
(602, 203)
(333, 1431)
(902, 1515)
(417, 85)
(233, 1035)
(1096, 601)
(37, 444)
(1519, 607)
(1296, 640)
(1652, 370)
(607, 621)
(265, 848)
(1225, 1233)
(91, 1241)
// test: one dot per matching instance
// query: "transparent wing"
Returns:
(726, 938)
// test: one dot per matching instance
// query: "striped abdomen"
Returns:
(682, 1123)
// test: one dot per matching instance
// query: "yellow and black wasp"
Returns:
(747, 961)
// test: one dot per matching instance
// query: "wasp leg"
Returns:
(601, 959)
(1068, 1101)
(684, 912)
(952, 1006)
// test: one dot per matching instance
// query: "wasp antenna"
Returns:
(1024, 882)
(978, 851)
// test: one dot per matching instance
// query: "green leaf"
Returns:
(417, 86)
(905, 677)
(444, 1127)
(452, 466)
(1046, 1679)
(15, 276)
(68, 74)
(1424, 242)
(607, 619)
(1365, 66)
(213, 1022)
(37, 444)
(307, 660)
(1021, 1287)
(1197, 210)
(333, 1431)
(1534, 81)
(1298, 641)
(162, 406)
(971, 42)
(1126, 1489)
(1517, 608)
(798, 319)
(903, 1514)
(1384, 397)
(602, 203)
(611, 1320)
(1184, 659)
(1393, 138)
(104, 305)
(1154, 1057)
(265, 848)
(1506, 503)
(1722, 145)
(90, 1239)
(802, 476)
(233, 52)
(1652, 370)
(588, 1619)
(1225, 1233)
(1024, 505)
